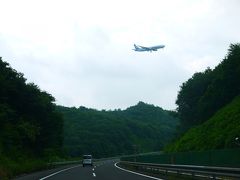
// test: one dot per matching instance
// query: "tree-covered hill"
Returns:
(218, 132)
(209, 104)
(139, 128)
(206, 92)
(30, 127)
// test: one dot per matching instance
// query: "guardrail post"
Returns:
(178, 172)
(213, 176)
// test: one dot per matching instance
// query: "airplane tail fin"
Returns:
(136, 47)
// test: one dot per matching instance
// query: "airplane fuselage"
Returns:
(152, 48)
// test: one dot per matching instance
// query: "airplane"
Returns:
(142, 48)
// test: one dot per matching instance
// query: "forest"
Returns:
(30, 127)
(139, 128)
(208, 105)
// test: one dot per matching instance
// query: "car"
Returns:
(87, 160)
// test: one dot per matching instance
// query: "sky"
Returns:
(81, 51)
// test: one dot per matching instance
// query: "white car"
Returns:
(87, 160)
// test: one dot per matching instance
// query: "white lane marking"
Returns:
(59, 172)
(188, 174)
(136, 173)
(93, 169)
(94, 175)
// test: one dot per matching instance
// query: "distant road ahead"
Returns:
(101, 171)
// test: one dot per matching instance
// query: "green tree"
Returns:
(28, 120)
(189, 95)
(203, 94)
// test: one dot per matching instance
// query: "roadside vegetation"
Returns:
(209, 107)
(31, 130)
(218, 132)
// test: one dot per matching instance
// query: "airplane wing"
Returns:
(146, 48)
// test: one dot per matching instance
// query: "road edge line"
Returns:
(58, 172)
(151, 177)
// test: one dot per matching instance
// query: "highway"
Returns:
(105, 170)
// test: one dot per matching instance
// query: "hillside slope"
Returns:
(109, 133)
(30, 128)
(201, 96)
(218, 132)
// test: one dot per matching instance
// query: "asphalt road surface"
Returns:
(105, 170)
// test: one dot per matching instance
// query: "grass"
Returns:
(219, 132)
(10, 168)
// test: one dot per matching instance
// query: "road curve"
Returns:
(105, 170)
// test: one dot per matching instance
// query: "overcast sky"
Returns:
(81, 51)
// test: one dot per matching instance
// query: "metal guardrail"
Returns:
(218, 158)
(80, 161)
(101, 159)
(201, 171)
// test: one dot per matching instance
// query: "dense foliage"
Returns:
(205, 93)
(203, 103)
(29, 124)
(218, 132)
(140, 128)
